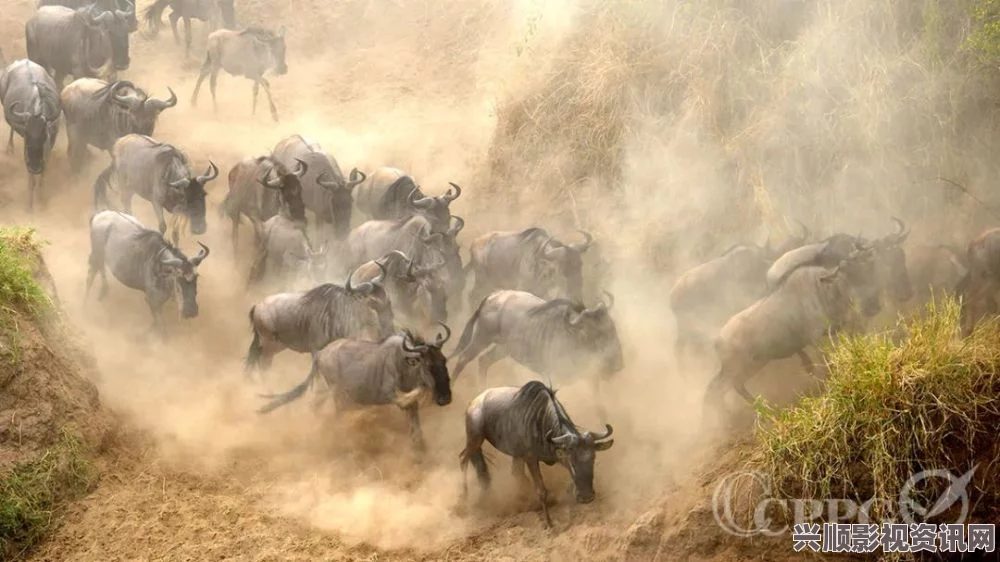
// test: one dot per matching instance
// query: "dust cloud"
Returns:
(669, 129)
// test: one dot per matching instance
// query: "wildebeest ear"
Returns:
(604, 445)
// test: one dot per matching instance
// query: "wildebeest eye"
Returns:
(412, 361)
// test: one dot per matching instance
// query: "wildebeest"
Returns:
(395, 370)
(159, 173)
(212, 12)
(261, 187)
(389, 193)
(143, 260)
(529, 260)
(531, 425)
(126, 6)
(99, 113)
(418, 293)
(412, 236)
(324, 190)
(305, 321)
(935, 270)
(811, 301)
(705, 296)
(249, 53)
(31, 107)
(285, 253)
(978, 288)
(85, 42)
(557, 338)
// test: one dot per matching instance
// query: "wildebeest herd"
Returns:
(402, 269)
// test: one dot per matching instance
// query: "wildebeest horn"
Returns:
(442, 338)
(610, 302)
(19, 114)
(168, 259)
(210, 174)
(432, 236)
(161, 104)
(457, 227)
(202, 254)
(356, 177)
(608, 430)
(103, 17)
(458, 192)
(422, 202)
(177, 184)
(586, 244)
(410, 346)
(367, 286)
(562, 440)
(547, 250)
(326, 181)
(901, 232)
(301, 169)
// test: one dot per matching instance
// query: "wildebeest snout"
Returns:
(585, 497)
(198, 227)
(443, 400)
(189, 310)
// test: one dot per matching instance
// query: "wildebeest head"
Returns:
(576, 451)
(861, 274)
(183, 271)
(436, 209)
(193, 196)
(289, 185)
(444, 246)
(340, 200)
(891, 261)
(566, 261)
(118, 23)
(143, 109)
(427, 362)
(276, 44)
(377, 299)
(424, 287)
(595, 330)
(39, 134)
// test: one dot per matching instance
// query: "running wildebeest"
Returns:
(212, 12)
(285, 253)
(126, 6)
(305, 321)
(70, 42)
(99, 113)
(389, 193)
(31, 107)
(141, 259)
(936, 270)
(249, 53)
(396, 370)
(159, 173)
(558, 338)
(707, 295)
(324, 190)
(529, 424)
(529, 260)
(413, 237)
(262, 187)
(417, 294)
(812, 301)
(978, 288)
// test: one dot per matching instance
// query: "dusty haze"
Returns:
(671, 130)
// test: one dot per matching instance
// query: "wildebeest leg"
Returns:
(31, 192)
(517, 470)
(489, 359)
(267, 91)
(416, 434)
(256, 88)
(212, 81)
(473, 452)
(161, 222)
(187, 37)
(206, 69)
(807, 363)
(543, 494)
(174, 17)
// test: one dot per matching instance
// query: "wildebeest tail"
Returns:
(470, 328)
(101, 190)
(279, 400)
(151, 15)
(253, 354)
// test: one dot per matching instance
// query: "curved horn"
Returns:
(422, 202)
(168, 259)
(608, 430)
(458, 226)
(18, 113)
(432, 236)
(409, 346)
(325, 181)
(364, 288)
(381, 275)
(547, 249)
(611, 300)
(356, 178)
(586, 244)
(202, 254)
(901, 231)
(458, 191)
(163, 104)
(442, 338)
(210, 174)
(103, 17)
(301, 169)
(178, 184)
(562, 440)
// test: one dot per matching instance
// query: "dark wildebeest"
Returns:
(811, 301)
(389, 193)
(212, 12)
(99, 113)
(161, 174)
(558, 338)
(284, 253)
(978, 288)
(85, 42)
(30, 103)
(248, 53)
(324, 190)
(707, 295)
(531, 425)
(418, 294)
(529, 260)
(143, 260)
(262, 187)
(396, 370)
(413, 237)
(935, 271)
(305, 321)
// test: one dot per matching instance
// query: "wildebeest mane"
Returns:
(151, 239)
(573, 306)
(531, 232)
(259, 33)
(321, 295)
(536, 400)
(402, 187)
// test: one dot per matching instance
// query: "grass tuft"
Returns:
(20, 292)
